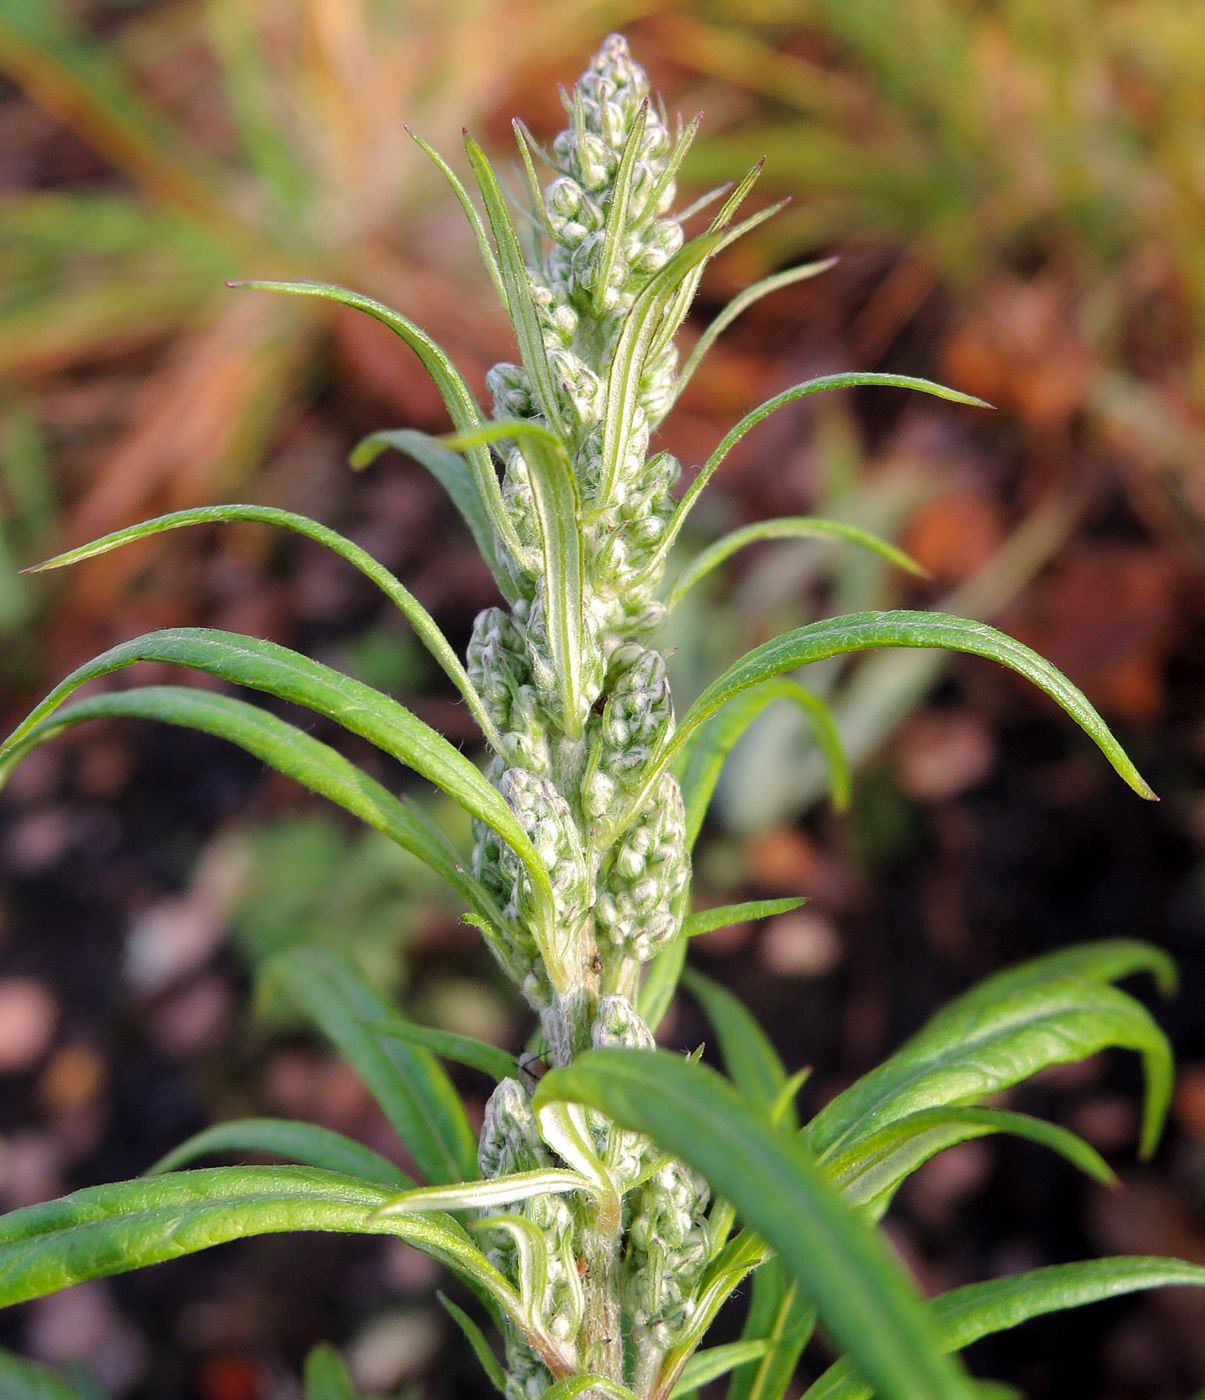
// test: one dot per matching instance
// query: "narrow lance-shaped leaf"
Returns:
(750, 1060)
(306, 1144)
(779, 1313)
(725, 915)
(470, 212)
(461, 406)
(476, 1340)
(456, 477)
(799, 391)
(462, 1049)
(707, 1366)
(412, 1089)
(617, 210)
(554, 492)
(1102, 960)
(740, 304)
(290, 751)
(486, 1195)
(290, 676)
(982, 1309)
(114, 1229)
(407, 604)
(793, 527)
(861, 1294)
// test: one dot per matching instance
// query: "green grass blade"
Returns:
(305, 1144)
(799, 391)
(725, 915)
(407, 604)
(476, 1339)
(462, 1049)
(554, 491)
(325, 1376)
(456, 477)
(702, 759)
(106, 1230)
(862, 1296)
(968, 1052)
(462, 407)
(793, 527)
(290, 751)
(740, 304)
(289, 676)
(750, 1060)
(873, 630)
(982, 1309)
(412, 1089)
(25, 1380)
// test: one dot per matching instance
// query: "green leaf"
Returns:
(798, 391)
(554, 492)
(783, 1318)
(973, 1049)
(476, 1340)
(290, 676)
(750, 1060)
(462, 1049)
(707, 1366)
(290, 751)
(1103, 960)
(869, 1173)
(983, 1309)
(741, 303)
(106, 1230)
(24, 1380)
(456, 477)
(462, 407)
(787, 527)
(487, 1195)
(861, 1294)
(617, 209)
(725, 915)
(304, 1143)
(872, 630)
(407, 604)
(470, 213)
(701, 761)
(326, 1377)
(412, 1089)
(517, 286)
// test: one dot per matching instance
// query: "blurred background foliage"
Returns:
(1016, 195)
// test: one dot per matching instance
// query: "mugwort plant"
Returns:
(605, 1216)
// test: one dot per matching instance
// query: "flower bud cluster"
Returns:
(635, 906)
(666, 1255)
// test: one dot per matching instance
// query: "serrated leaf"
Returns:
(25, 1380)
(456, 477)
(973, 1049)
(701, 761)
(707, 1366)
(798, 391)
(407, 604)
(306, 1144)
(750, 1060)
(462, 1049)
(114, 1229)
(476, 1339)
(489, 1194)
(462, 407)
(873, 630)
(325, 1376)
(412, 1089)
(725, 915)
(983, 1309)
(869, 1173)
(787, 527)
(290, 751)
(861, 1294)
(289, 676)
(554, 492)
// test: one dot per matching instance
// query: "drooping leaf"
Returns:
(982, 1309)
(408, 1083)
(725, 915)
(797, 391)
(1103, 960)
(114, 1229)
(325, 1376)
(476, 1339)
(554, 492)
(288, 675)
(488, 1194)
(750, 1060)
(795, 527)
(462, 1049)
(306, 1144)
(461, 406)
(971, 1050)
(861, 1294)
(290, 751)
(702, 759)
(456, 477)
(871, 1171)
(25, 1380)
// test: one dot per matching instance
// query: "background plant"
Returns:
(606, 1258)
